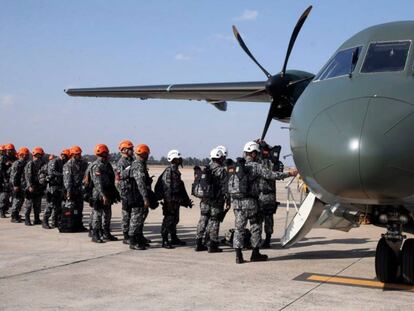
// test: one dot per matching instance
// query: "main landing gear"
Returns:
(394, 263)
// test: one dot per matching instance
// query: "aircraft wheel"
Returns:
(407, 261)
(386, 262)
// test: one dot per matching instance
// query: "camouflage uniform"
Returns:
(141, 185)
(267, 199)
(73, 173)
(5, 187)
(34, 198)
(173, 197)
(124, 186)
(54, 191)
(211, 209)
(246, 209)
(103, 178)
(18, 181)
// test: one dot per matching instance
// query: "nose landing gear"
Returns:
(393, 263)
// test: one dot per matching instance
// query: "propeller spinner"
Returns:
(284, 87)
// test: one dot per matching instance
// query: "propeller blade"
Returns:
(293, 37)
(300, 81)
(268, 121)
(246, 49)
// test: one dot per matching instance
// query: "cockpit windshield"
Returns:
(386, 56)
(342, 64)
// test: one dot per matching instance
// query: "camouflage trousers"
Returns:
(35, 203)
(53, 207)
(101, 216)
(209, 225)
(127, 214)
(4, 201)
(138, 216)
(246, 210)
(17, 203)
(171, 212)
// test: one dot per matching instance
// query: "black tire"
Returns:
(407, 261)
(386, 262)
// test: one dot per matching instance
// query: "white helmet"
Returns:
(173, 154)
(223, 149)
(251, 146)
(216, 153)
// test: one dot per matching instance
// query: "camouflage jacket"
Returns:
(141, 182)
(103, 178)
(17, 178)
(172, 185)
(122, 177)
(31, 173)
(73, 173)
(5, 170)
(55, 175)
(219, 180)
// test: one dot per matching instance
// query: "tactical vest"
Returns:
(203, 185)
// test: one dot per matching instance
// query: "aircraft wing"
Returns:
(210, 92)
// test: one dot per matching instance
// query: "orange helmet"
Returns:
(23, 151)
(140, 149)
(65, 152)
(37, 150)
(9, 147)
(75, 150)
(101, 148)
(125, 144)
(1, 147)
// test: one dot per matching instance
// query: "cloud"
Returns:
(6, 102)
(181, 56)
(221, 37)
(248, 15)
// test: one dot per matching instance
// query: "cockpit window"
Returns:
(342, 64)
(386, 56)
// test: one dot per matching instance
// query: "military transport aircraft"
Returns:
(351, 133)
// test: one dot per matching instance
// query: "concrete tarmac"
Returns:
(47, 270)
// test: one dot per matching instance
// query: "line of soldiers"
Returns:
(247, 185)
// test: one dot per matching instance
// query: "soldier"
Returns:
(34, 190)
(212, 206)
(171, 189)
(18, 182)
(141, 187)
(123, 181)
(9, 156)
(103, 196)
(54, 191)
(243, 189)
(73, 173)
(267, 196)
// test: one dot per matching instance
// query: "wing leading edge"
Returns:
(210, 92)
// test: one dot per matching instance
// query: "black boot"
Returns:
(37, 220)
(90, 233)
(239, 255)
(2, 214)
(213, 247)
(45, 223)
(266, 242)
(107, 236)
(147, 241)
(256, 256)
(15, 217)
(126, 238)
(166, 243)
(143, 240)
(200, 246)
(134, 244)
(176, 241)
(96, 237)
(27, 221)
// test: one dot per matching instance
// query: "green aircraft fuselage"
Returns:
(352, 133)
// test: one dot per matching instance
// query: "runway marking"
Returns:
(350, 281)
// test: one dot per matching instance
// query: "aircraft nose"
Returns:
(363, 148)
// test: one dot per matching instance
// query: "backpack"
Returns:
(43, 177)
(202, 186)
(159, 187)
(238, 179)
(87, 185)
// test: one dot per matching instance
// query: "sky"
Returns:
(48, 46)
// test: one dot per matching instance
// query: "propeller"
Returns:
(282, 86)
